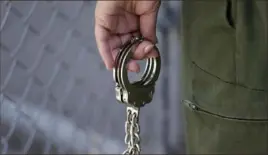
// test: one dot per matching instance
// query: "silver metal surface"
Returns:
(132, 130)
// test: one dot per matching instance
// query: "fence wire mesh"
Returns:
(56, 95)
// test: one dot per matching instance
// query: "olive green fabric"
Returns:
(225, 45)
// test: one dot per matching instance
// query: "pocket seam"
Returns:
(196, 108)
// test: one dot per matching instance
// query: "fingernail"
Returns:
(134, 70)
(148, 48)
(109, 67)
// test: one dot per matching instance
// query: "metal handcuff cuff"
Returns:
(137, 94)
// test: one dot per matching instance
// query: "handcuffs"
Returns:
(139, 93)
(134, 95)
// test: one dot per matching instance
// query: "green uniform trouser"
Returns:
(225, 46)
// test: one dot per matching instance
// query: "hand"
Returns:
(117, 21)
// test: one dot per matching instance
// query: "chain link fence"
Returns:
(56, 95)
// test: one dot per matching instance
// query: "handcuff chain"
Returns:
(132, 129)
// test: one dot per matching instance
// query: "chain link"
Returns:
(132, 129)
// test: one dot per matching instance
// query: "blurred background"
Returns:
(56, 95)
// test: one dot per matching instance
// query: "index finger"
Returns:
(102, 36)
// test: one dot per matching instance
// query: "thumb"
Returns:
(148, 26)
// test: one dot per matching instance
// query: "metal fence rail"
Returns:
(56, 95)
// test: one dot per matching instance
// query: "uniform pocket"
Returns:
(209, 133)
